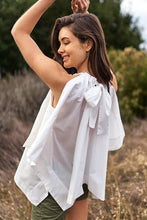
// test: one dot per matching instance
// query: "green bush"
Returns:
(130, 67)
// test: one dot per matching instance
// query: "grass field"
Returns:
(126, 197)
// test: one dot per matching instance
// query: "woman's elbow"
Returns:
(17, 34)
(14, 31)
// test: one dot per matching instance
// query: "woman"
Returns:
(66, 152)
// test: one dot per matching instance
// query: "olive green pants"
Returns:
(49, 209)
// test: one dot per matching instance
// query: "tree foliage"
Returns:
(10, 58)
(130, 66)
(119, 29)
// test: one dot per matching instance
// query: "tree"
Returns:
(10, 58)
(119, 29)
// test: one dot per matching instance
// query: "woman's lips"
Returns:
(65, 58)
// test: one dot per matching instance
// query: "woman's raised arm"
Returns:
(51, 72)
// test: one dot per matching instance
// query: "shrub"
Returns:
(21, 97)
(130, 67)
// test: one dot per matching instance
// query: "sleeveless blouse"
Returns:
(68, 145)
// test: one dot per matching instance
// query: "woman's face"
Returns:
(73, 52)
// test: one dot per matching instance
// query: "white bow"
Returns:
(99, 104)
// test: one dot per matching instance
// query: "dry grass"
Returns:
(125, 191)
(21, 97)
(126, 179)
(13, 205)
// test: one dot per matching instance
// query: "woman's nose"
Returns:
(60, 50)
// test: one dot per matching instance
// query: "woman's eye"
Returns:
(66, 42)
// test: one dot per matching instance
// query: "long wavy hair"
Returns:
(86, 26)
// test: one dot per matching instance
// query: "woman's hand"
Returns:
(80, 6)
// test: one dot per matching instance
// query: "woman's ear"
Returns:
(88, 44)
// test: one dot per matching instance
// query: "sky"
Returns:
(137, 8)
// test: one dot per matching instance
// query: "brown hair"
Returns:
(86, 26)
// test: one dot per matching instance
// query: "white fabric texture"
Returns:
(68, 145)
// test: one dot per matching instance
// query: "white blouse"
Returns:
(68, 145)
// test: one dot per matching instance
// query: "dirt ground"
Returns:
(126, 189)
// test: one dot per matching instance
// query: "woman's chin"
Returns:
(68, 66)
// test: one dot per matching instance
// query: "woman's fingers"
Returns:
(80, 6)
(83, 5)
(74, 6)
(87, 3)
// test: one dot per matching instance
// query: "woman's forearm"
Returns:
(29, 19)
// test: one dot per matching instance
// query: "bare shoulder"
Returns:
(114, 81)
